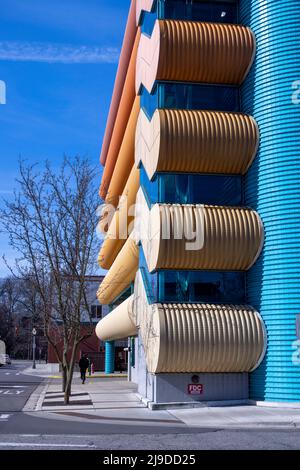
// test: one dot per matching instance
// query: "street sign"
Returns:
(195, 389)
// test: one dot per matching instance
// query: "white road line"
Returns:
(7, 373)
(30, 444)
(18, 373)
(14, 386)
(4, 417)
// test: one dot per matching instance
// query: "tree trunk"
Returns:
(64, 377)
(68, 389)
(69, 378)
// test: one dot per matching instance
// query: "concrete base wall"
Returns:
(170, 388)
(173, 388)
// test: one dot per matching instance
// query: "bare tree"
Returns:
(9, 298)
(51, 223)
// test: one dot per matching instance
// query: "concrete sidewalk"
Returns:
(116, 401)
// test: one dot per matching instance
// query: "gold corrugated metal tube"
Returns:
(121, 273)
(201, 237)
(194, 52)
(202, 338)
(196, 142)
(122, 223)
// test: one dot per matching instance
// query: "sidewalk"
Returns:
(104, 401)
(116, 401)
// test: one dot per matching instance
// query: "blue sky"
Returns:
(58, 59)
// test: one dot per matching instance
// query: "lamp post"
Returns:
(33, 347)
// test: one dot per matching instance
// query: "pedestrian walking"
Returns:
(83, 366)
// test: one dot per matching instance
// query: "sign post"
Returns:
(33, 347)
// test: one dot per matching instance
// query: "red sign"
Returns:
(195, 389)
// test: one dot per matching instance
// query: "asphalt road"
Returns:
(19, 430)
(15, 388)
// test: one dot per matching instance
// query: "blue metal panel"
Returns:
(109, 357)
(272, 188)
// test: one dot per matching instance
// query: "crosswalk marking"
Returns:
(4, 417)
(13, 386)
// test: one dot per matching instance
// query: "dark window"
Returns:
(204, 189)
(183, 95)
(198, 10)
(96, 311)
(201, 286)
(198, 96)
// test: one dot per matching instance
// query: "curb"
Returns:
(39, 405)
(33, 401)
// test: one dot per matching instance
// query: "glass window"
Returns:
(96, 311)
(150, 188)
(149, 102)
(198, 96)
(198, 10)
(174, 188)
(193, 286)
(200, 189)
(190, 10)
(201, 286)
(175, 95)
(148, 23)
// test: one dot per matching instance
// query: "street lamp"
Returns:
(33, 347)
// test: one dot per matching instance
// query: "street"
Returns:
(42, 430)
(15, 389)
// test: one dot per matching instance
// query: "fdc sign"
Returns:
(195, 389)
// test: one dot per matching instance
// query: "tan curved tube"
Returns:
(194, 52)
(198, 337)
(121, 273)
(125, 159)
(195, 142)
(195, 237)
(127, 46)
(118, 323)
(124, 110)
(122, 223)
(143, 5)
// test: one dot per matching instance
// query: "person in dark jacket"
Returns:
(83, 366)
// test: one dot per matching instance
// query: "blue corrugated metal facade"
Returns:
(272, 187)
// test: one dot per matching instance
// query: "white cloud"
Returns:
(6, 191)
(56, 53)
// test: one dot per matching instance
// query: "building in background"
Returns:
(90, 346)
(202, 134)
